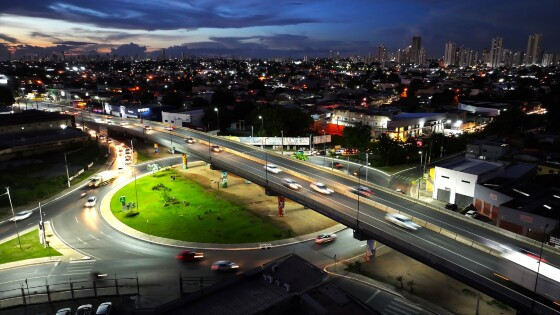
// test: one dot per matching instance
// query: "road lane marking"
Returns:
(95, 238)
(76, 220)
(79, 239)
(109, 236)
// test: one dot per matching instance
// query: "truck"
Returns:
(103, 178)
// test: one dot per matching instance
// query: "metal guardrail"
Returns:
(51, 292)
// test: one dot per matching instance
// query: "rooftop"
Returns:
(31, 116)
(472, 166)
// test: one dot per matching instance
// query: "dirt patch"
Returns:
(299, 219)
(430, 284)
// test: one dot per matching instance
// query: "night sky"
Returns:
(278, 28)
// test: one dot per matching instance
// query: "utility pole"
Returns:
(13, 215)
(282, 131)
(324, 148)
(67, 174)
(367, 164)
(539, 268)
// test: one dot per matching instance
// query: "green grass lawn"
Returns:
(207, 218)
(26, 187)
(31, 248)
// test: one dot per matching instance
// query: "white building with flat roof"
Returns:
(455, 182)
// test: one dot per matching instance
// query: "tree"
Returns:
(6, 97)
(357, 137)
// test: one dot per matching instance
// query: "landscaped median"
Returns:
(187, 206)
(31, 247)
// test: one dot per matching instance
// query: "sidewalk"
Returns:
(112, 221)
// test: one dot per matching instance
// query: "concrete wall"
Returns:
(455, 182)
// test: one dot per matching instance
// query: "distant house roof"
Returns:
(404, 116)
(471, 166)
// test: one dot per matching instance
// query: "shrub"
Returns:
(131, 214)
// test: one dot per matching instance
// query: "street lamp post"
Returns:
(324, 148)
(262, 130)
(218, 115)
(539, 267)
(358, 214)
(251, 131)
(13, 214)
(282, 131)
(367, 164)
(134, 171)
(67, 174)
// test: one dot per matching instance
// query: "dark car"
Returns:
(189, 255)
(337, 165)
(451, 206)
(322, 152)
(362, 190)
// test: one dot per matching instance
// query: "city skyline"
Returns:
(253, 29)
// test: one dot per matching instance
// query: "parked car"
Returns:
(216, 148)
(362, 190)
(322, 152)
(471, 214)
(189, 255)
(321, 188)
(290, 183)
(64, 311)
(104, 308)
(22, 215)
(400, 191)
(272, 168)
(339, 151)
(170, 128)
(224, 265)
(451, 206)
(189, 140)
(325, 238)
(84, 309)
(337, 165)
(402, 221)
(91, 201)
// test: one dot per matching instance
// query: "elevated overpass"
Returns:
(451, 244)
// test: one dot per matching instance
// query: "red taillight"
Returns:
(214, 267)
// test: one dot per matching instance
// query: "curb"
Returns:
(108, 217)
(28, 262)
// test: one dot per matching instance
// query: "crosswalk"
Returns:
(407, 178)
(400, 307)
(79, 267)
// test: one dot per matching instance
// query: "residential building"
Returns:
(534, 50)
(496, 52)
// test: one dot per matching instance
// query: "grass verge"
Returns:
(30, 248)
(184, 210)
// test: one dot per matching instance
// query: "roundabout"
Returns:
(184, 205)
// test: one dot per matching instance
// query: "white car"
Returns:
(325, 238)
(272, 168)
(91, 201)
(169, 128)
(321, 188)
(290, 183)
(402, 221)
(21, 215)
(189, 140)
(471, 214)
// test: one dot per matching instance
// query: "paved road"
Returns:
(437, 245)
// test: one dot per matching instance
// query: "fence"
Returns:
(36, 294)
